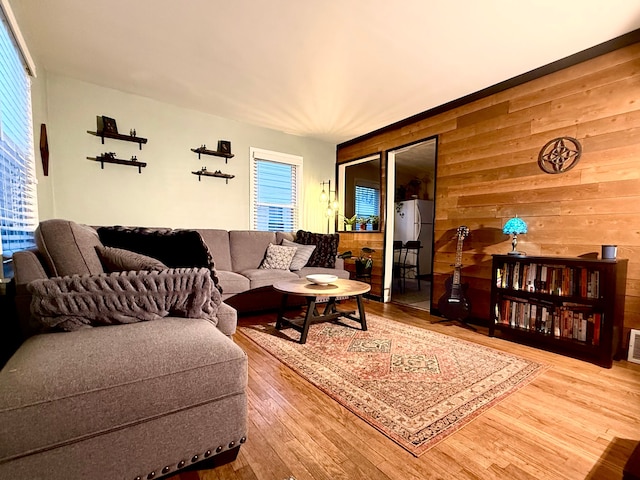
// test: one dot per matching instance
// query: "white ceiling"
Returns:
(329, 69)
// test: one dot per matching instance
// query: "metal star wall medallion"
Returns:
(560, 155)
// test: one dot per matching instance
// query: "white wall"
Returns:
(165, 193)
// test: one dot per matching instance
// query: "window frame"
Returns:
(259, 154)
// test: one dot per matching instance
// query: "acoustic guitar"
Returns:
(454, 304)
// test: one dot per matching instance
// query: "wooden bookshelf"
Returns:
(572, 306)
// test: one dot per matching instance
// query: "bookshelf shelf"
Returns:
(572, 306)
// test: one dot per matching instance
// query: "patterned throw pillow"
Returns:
(326, 248)
(302, 256)
(120, 260)
(278, 257)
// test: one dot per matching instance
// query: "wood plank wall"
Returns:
(487, 172)
(354, 241)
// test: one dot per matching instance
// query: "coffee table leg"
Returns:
(311, 307)
(330, 307)
(283, 307)
(363, 318)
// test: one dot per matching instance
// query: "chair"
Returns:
(409, 261)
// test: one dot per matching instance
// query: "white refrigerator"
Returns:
(414, 221)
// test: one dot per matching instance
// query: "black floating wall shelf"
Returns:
(105, 159)
(217, 174)
(118, 136)
(215, 153)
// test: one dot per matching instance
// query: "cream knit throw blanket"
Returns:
(81, 301)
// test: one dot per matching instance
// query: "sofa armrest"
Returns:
(27, 268)
(227, 319)
(339, 263)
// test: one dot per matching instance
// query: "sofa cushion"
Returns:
(120, 260)
(277, 257)
(86, 384)
(302, 256)
(263, 278)
(248, 247)
(290, 236)
(174, 248)
(218, 243)
(326, 247)
(68, 248)
(233, 282)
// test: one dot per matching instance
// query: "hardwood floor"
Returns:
(575, 421)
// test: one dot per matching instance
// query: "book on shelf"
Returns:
(556, 280)
(568, 321)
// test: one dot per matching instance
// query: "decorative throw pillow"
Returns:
(120, 260)
(174, 248)
(302, 256)
(326, 248)
(278, 257)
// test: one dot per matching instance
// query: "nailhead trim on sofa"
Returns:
(182, 463)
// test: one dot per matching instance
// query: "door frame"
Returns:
(390, 173)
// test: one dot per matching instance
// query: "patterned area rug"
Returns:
(415, 386)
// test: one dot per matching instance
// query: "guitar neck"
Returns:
(458, 265)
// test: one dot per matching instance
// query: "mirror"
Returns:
(359, 183)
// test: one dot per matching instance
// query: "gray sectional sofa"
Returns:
(238, 255)
(134, 399)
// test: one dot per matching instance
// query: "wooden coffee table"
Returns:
(311, 291)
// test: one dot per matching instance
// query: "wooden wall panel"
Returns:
(487, 171)
(354, 241)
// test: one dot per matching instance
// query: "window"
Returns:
(275, 191)
(18, 200)
(367, 200)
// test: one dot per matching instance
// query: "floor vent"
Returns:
(634, 347)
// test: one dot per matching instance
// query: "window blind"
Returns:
(18, 196)
(367, 201)
(275, 191)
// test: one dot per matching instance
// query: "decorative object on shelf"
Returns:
(110, 157)
(107, 125)
(349, 222)
(204, 172)
(559, 155)
(515, 226)
(106, 128)
(363, 222)
(203, 150)
(224, 146)
(44, 149)
(375, 222)
(454, 304)
(329, 198)
(609, 252)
